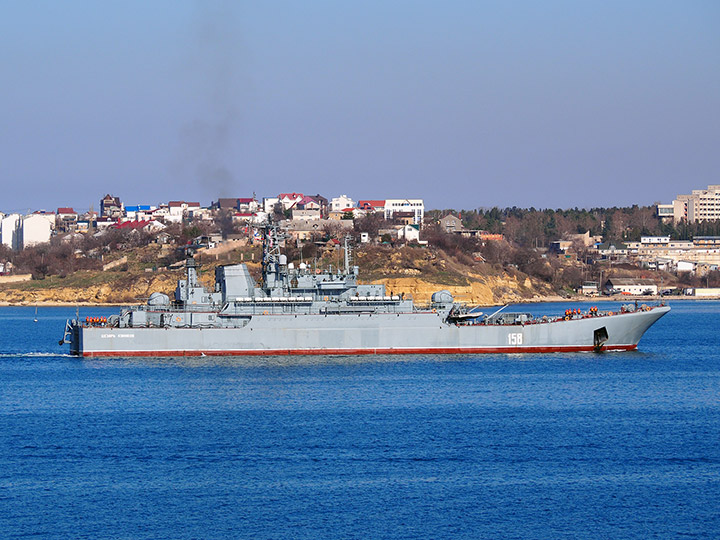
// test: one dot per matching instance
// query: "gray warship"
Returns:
(300, 310)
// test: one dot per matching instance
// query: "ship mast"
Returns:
(274, 263)
(348, 254)
(271, 248)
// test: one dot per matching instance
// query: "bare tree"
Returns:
(332, 229)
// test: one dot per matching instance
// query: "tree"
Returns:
(332, 229)
(496, 252)
(371, 223)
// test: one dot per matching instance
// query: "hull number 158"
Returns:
(515, 339)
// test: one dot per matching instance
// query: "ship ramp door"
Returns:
(600, 336)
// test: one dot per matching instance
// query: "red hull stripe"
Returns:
(352, 352)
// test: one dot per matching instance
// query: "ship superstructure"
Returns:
(305, 310)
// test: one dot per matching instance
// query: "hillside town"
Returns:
(595, 252)
(302, 215)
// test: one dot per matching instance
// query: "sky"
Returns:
(466, 104)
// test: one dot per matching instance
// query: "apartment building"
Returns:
(415, 208)
(9, 231)
(653, 249)
(700, 205)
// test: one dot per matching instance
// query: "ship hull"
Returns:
(358, 334)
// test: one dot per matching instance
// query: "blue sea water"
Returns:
(620, 445)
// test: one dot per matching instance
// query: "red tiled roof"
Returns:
(133, 224)
(246, 200)
(290, 195)
(65, 211)
(371, 204)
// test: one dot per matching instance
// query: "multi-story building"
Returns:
(653, 250)
(111, 207)
(139, 212)
(34, 229)
(248, 204)
(700, 205)
(338, 204)
(9, 231)
(66, 219)
(269, 204)
(179, 210)
(707, 241)
(415, 207)
(319, 200)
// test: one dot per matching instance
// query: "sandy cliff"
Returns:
(480, 290)
(123, 291)
(135, 289)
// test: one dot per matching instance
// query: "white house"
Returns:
(411, 233)
(269, 204)
(177, 210)
(162, 213)
(372, 206)
(103, 223)
(248, 204)
(202, 214)
(338, 204)
(289, 200)
(139, 212)
(250, 217)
